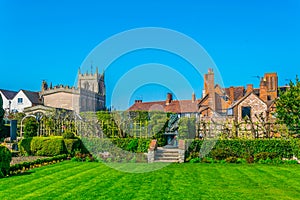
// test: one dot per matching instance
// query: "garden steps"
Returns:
(166, 155)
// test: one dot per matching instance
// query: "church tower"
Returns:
(91, 82)
(92, 90)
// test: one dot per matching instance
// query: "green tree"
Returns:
(288, 107)
(30, 127)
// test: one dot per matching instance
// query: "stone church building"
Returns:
(89, 95)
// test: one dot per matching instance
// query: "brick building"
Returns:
(233, 102)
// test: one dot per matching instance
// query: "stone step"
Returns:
(170, 158)
(167, 154)
(167, 161)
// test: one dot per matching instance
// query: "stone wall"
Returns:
(256, 104)
(62, 100)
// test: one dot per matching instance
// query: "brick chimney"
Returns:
(249, 88)
(263, 90)
(231, 94)
(209, 85)
(193, 97)
(169, 98)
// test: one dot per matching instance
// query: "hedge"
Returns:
(51, 146)
(42, 146)
(21, 167)
(117, 149)
(136, 145)
(73, 145)
(246, 148)
(5, 158)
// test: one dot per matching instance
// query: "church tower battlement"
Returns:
(87, 95)
(91, 81)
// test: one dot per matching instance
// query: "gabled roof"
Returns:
(238, 92)
(176, 106)
(34, 97)
(242, 99)
(8, 94)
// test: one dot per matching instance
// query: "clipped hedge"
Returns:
(246, 148)
(73, 145)
(136, 145)
(5, 158)
(42, 146)
(21, 167)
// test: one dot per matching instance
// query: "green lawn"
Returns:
(75, 180)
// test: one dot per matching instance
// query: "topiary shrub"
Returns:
(30, 127)
(74, 144)
(24, 146)
(68, 135)
(47, 146)
(5, 158)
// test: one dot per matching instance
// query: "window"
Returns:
(246, 111)
(20, 100)
(230, 111)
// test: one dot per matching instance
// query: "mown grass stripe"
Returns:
(71, 186)
(41, 181)
(75, 180)
(63, 180)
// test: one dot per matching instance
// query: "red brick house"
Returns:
(233, 102)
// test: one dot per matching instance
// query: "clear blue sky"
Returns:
(50, 39)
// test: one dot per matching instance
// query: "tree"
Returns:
(288, 107)
(30, 127)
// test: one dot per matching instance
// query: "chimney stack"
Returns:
(169, 98)
(209, 84)
(263, 90)
(249, 88)
(231, 94)
(193, 97)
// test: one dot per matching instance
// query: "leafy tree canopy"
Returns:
(288, 107)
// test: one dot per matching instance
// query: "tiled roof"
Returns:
(8, 94)
(176, 106)
(34, 97)
(237, 91)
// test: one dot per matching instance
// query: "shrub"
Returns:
(42, 146)
(47, 146)
(68, 135)
(24, 146)
(74, 144)
(243, 148)
(265, 155)
(30, 127)
(5, 158)
(231, 159)
(221, 154)
(195, 160)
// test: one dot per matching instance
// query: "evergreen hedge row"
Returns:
(49, 146)
(241, 148)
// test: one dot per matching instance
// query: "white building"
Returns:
(7, 97)
(17, 101)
